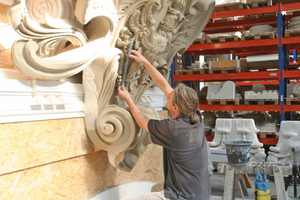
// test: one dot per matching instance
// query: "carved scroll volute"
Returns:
(126, 160)
(115, 129)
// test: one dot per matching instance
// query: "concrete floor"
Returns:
(217, 184)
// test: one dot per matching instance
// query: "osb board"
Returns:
(226, 64)
(79, 178)
(76, 178)
(29, 144)
(5, 58)
(148, 168)
(3, 13)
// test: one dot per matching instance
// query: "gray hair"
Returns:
(187, 101)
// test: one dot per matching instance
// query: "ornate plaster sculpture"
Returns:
(237, 129)
(68, 36)
(289, 130)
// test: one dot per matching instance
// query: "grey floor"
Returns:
(218, 181)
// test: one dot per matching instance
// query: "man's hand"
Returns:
(137, 56)
(156, 76)
(136, 113)
(123, 93)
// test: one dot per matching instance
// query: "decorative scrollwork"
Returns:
(55, 8)
(96, 42)
(115, 129)
(126, 160)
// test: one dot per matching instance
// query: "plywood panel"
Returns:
(3, 13)
(149, 168)
(5, 58)
(76, 178)
(5, 55)
(29, 144)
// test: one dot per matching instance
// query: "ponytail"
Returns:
(194, 118)
(187, 101)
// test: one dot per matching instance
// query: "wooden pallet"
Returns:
(222, 39)
(267, 135)
(262, 15)
(292, 33)
(191, 71)
(226, 19)
(258, 36)
(200, 41)
(260, 102)
(223, 101)
(226, 70)
(292, 102)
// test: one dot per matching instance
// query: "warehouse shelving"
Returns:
(245, 48)
(290, 43)
(278, 45)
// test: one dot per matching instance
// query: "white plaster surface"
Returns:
(226, 92)
(262, 28)
(268, 127)
(265, 94)
(154, 97)
(31, 100)
(289, 132)
(212, 89)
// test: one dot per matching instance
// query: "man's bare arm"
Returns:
(156, 76)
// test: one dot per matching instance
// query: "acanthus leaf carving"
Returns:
(94, 38)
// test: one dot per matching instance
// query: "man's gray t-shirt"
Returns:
(185, 157)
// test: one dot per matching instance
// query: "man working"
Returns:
(183, 139)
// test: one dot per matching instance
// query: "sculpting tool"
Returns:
(126, 67)
(133, 79)
(127, 61)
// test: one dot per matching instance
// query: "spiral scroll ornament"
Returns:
(55, 8)
(116, 129)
